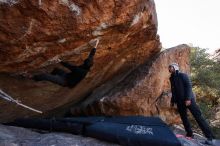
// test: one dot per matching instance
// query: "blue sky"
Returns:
(195, 22)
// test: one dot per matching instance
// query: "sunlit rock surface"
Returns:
(145, 91)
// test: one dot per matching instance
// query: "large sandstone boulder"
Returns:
(34, 33)
(145, 91)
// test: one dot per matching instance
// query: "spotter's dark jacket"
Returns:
(181, 87)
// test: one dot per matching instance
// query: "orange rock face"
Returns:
(145, 91)
(34, 33)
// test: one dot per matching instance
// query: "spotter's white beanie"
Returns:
(175, 66)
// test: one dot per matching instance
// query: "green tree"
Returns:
(205, 73)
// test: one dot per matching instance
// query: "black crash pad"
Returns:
(124, 130)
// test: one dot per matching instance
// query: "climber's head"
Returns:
(173, 67)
